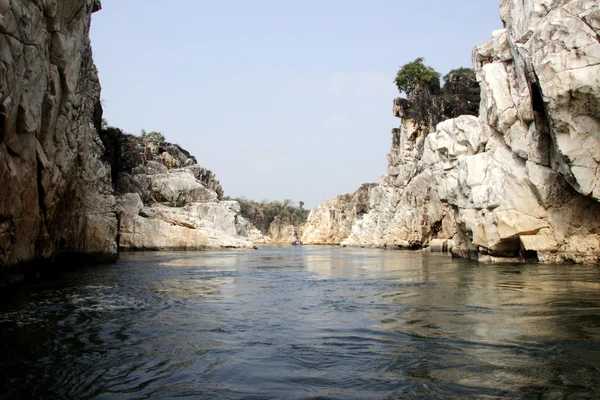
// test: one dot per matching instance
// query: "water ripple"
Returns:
(310, 322)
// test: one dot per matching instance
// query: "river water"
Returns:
(304, 322)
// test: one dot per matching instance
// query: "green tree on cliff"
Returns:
(416, 73)
(153, 136)
(466, 72)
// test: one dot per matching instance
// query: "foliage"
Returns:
(153, 136)
(263, 213)
(431, 104)
(467, 72)
(414, 74)
(104, 124)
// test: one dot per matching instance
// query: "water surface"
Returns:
(304, 322)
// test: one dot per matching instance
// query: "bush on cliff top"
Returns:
(153, 136)
(414, 74)
(466, 72)
(427, 103)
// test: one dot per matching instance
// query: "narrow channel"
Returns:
(304, 322)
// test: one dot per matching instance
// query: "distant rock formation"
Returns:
(285, 231)
(165, 201)
(332, 221)
(279, 222)
(521, 180)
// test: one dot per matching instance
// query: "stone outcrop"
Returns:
(165, 201)
(405, 209)
(284, 231)
(331, 222)
(57, 193)
(519, 182)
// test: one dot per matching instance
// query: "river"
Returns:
(304, 322)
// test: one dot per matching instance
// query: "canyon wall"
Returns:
(57, 192)
(521, 180)
(284, 231)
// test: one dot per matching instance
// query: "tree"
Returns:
(467, 73)
(104, 124)
(263, 213)
(416, 73)
(301, 204)
(153, 136)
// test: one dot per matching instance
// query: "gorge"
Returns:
(518, 180)
(166, 287)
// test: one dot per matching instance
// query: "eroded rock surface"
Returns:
(332, 220)
(165, 201)
(520, 181)
(285, 231)
(57, 194)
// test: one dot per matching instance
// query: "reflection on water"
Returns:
(305, 322)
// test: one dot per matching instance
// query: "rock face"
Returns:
(331, 222)
(57, 193)
(405, 209)
(284, 231)
(521, 181)
(165, 201)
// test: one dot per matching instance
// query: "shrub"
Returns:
(153, 136)
(414, 74)
(466, 72)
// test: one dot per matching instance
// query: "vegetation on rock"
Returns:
(468, 72)
(415, 74)
(263, 213)
(461, 93)
(153, 136)
(428, 103)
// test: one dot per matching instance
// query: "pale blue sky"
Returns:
(281, 99)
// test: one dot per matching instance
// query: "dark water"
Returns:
(305, 322)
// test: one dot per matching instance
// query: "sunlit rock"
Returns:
(521, 180)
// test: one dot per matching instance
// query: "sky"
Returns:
(280, 99)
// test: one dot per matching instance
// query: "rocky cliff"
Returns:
(165, 201)
(521, 180)
(57, 193)
(60, 178)
(285, 231)
(332, 221)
